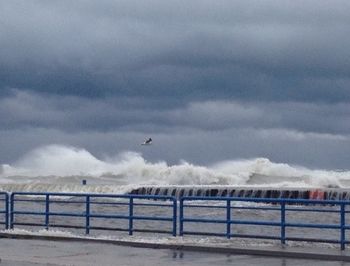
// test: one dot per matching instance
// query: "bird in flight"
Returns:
(147, 142)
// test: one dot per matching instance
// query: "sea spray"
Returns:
(62, 168)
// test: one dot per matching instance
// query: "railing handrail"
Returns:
(97, 195)
(265, 200)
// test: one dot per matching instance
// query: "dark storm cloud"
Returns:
(245, 78)
(75, 114)
(189, 49)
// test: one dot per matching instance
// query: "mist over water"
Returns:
(62, 168)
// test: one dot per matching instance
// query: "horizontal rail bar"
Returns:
(255, 223)
(205, 206)
(198, 220)
(93, 195)
(203, 233)
(158, 218)
(126, 204)
(267, 200)
(255, 236)
(50, 213)
(95, 215)
(319, 226)
(312, 210)
(261, 208)
(301, 239)
(28, 213)
(109, 216)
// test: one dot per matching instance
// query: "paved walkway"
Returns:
(285, 252)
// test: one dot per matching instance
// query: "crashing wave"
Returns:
(62, 168)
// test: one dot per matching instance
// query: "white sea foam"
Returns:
(199, 241)
(61, 168)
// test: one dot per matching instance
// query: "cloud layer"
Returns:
(211, 80)
(271, 50)
(200, 132)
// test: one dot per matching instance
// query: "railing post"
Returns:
(174, 215)
(7, 211)
(342, 226)
(131, 213)
(228, 219)
(283, 222)
(87, 215)
(47, 211)
(12, 202)
(181, 229)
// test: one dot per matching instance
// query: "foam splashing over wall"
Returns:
(65, 165)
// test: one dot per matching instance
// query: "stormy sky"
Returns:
(207, 80)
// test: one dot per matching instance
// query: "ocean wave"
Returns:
(62, 168)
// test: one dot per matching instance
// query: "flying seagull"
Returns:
(147, 142)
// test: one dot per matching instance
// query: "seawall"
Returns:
(248, 192)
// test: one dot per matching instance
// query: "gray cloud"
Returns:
(69, 113)
(270, 49)
(247, 79)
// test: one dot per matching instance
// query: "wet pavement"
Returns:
(24, 252)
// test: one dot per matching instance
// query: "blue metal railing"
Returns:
(40, 204)
(4, 211)
(283, 206)
(20, 207)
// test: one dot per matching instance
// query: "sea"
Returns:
(58, 168)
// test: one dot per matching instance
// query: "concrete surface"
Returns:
(330, 254)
